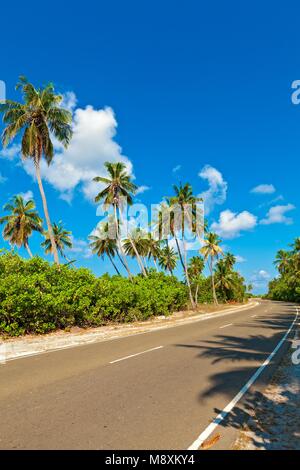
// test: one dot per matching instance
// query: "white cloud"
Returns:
(92, 144)
(142, 189)
(80, 247)
(231, 224)
(260, 279)
(69, 100)
(276, 215)
(272, 201)
(217, 191)
(10, 152)
(176, 168)
(27, 195)
(240, 259)
(263, 189)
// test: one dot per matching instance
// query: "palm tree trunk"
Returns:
(28, 249)
(112, 262)
(213, 281)
(155, 264)
(46, 212)
(196, 294)
(120, 259)
(179, 251)
(124, 262)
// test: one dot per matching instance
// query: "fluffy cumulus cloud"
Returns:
(277, 215)
(10, 152)
(231, 224)
(217, 188)
(263, 189)
(92, 144)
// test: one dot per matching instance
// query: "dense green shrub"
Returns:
(35, 297)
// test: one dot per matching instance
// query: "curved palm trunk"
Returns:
(124, 262)
(46, 212)
(28, 249)
(113, 263)
(213, 281)
(155, 264)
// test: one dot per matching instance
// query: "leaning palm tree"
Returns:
(62, 239)
(118, 186)
(211, 250)
(101, 244)
(21, 222)
(168, 259)
(153, 249)
(37, 118)
(136, 243)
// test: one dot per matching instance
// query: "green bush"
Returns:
(35, 297)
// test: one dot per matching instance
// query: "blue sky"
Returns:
(204, 88)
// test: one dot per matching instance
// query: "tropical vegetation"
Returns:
(36, 296)
(286, 286)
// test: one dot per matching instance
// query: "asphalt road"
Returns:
(158, 390)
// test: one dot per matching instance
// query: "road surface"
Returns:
(158, 390)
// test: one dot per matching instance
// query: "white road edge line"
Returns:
(225, 326)
(219, 418)
(133, 355)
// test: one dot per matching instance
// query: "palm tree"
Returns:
(37, 118)
(153, 248)
(102, 245)
(224, 278)
(183, 198)
(118, 186)
(212, 250)
(21, 222)
(62, 239)
(168, 259)
(229, 260)
(195, 267)
(282, 261)
(136, 243)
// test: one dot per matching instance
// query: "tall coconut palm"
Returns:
(184, 198)
(118, 186)
(101, 244)
(62, 239)
(212, 250)
(21, 222)
(38, 118)
(168, 259)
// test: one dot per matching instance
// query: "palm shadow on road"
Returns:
(235, 359)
